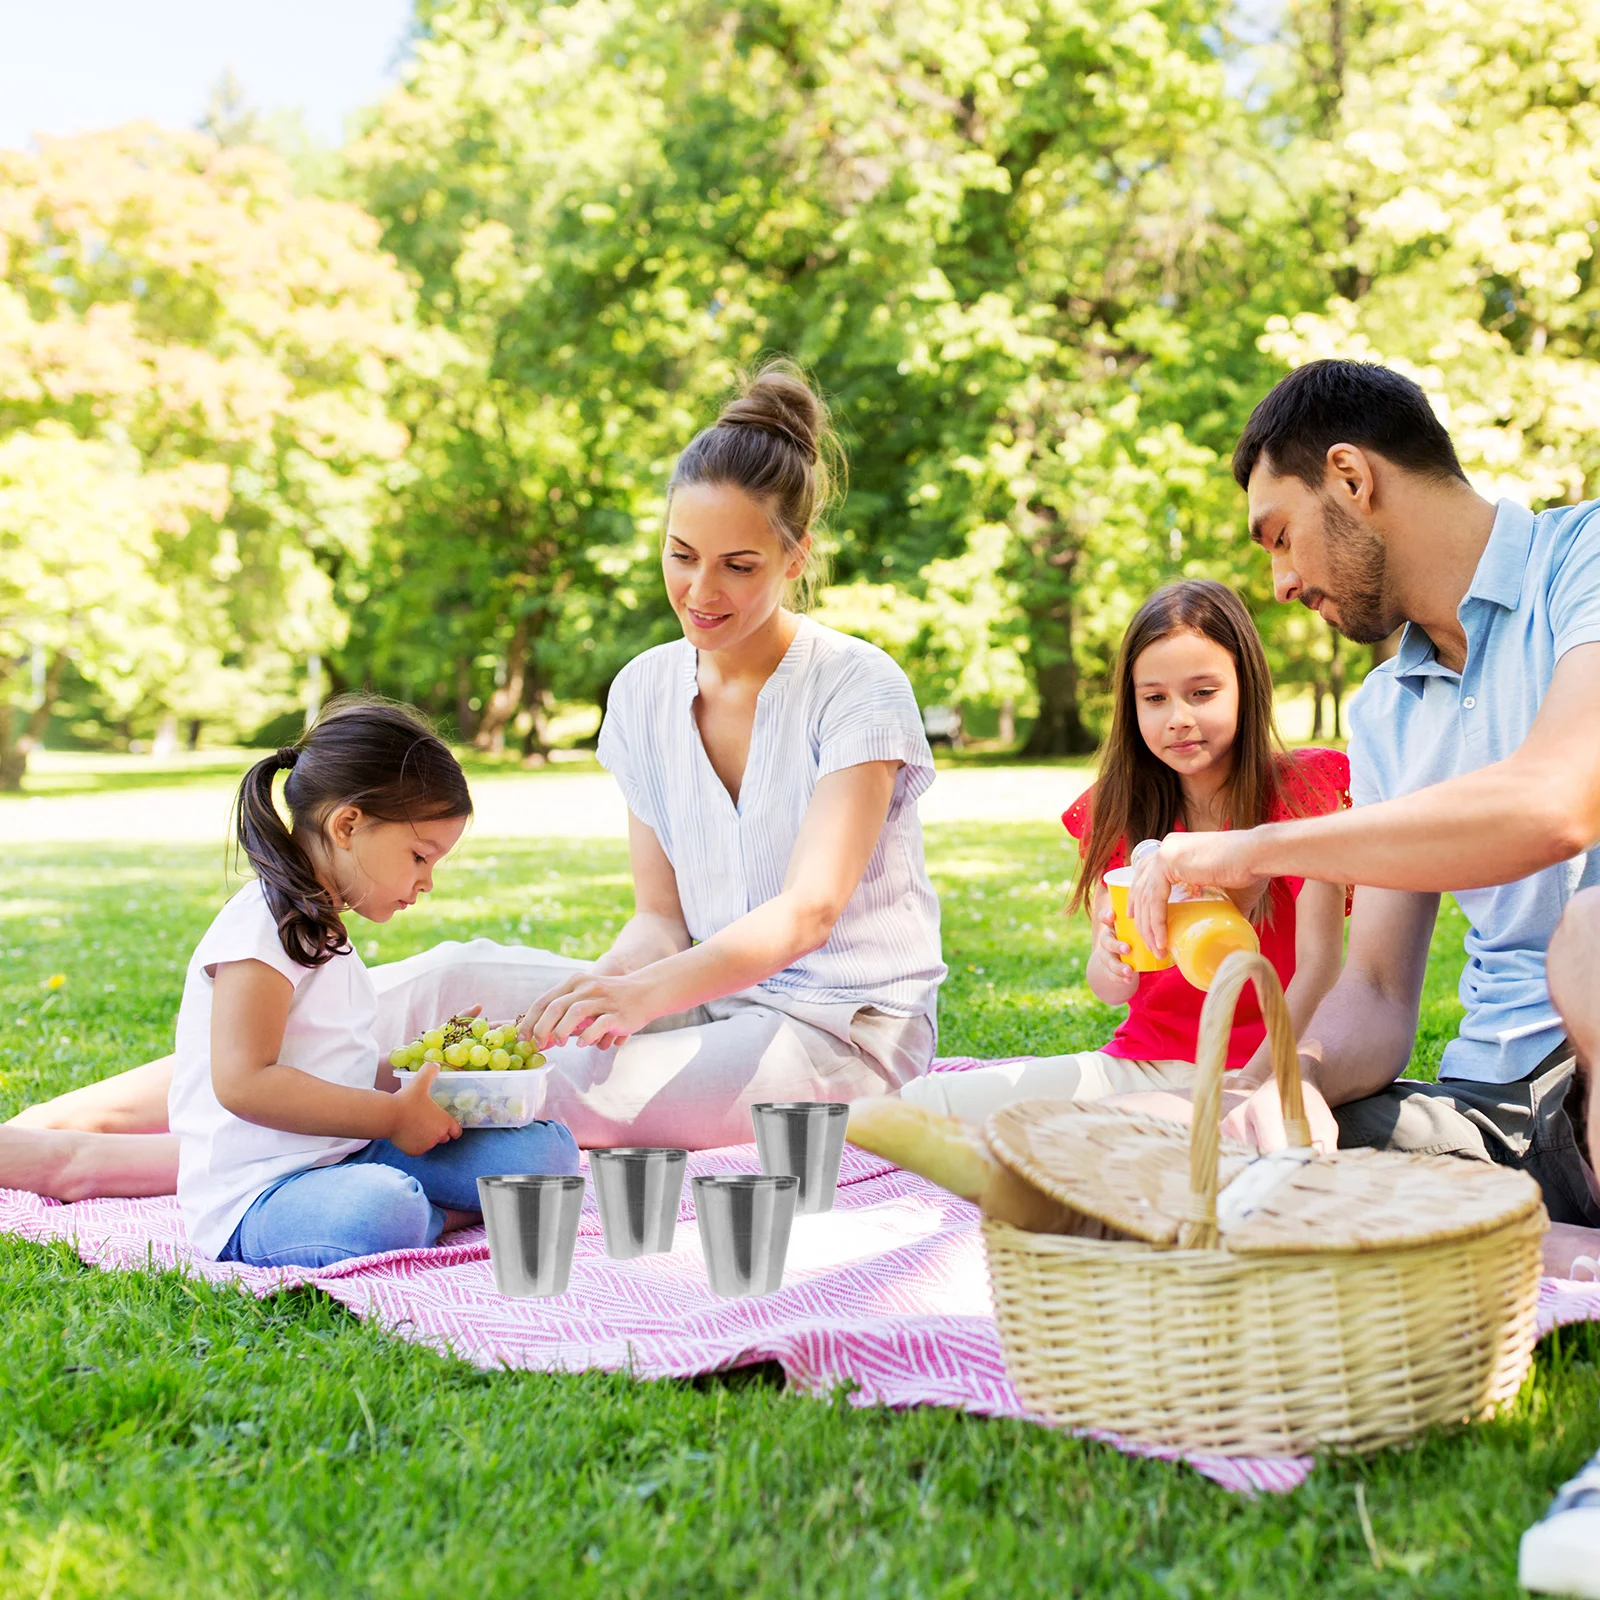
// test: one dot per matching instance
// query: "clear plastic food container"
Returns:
(489, 1099)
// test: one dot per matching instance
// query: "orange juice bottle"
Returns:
(1203, 929)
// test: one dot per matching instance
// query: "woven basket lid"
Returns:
(1132, 1171)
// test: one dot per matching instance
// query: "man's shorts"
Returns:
(1535, 1125)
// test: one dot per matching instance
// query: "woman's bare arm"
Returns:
(656, 929)
(837, 836)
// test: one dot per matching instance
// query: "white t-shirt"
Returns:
(224, 1162)
(833, 702)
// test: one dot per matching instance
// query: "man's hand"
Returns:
(419, 1124)
(590, 1008)
(1201, 860)
(1259, 1121)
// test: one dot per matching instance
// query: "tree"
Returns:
(232, 347)
(78, 533)
(1457, 228)
(958, 216)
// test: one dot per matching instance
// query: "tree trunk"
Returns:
(1008, 721)
(13, 759)
(1336, 688)
(14, 749)
(536, 701)
(1059, 730)
(505, 701)
(1316, 708)
(192, 739)
(314, 690)
(1053, 545)
(466, 720)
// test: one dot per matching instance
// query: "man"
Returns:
(1475, 768)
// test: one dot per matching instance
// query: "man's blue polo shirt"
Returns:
(1534, 596)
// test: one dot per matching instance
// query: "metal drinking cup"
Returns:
(637, 1192)
(805, 1139)
(744, 1230)
(532, 1223)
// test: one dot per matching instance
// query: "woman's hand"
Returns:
(589, 1008)
(1112, 979)
(419, 1124)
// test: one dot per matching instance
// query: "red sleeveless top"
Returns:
(1163, 1018)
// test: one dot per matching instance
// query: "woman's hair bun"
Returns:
(778, 400)
(776, 443)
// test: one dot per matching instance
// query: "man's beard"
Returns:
(1357, 564)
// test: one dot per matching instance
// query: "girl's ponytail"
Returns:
(371, 754)
(308, 921)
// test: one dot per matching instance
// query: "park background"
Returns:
(282, 415)
(293, 403)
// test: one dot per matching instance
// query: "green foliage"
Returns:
(1043, 257)
(193, 425)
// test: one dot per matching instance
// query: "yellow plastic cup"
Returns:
(1140, 956)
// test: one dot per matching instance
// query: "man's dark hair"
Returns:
(1325, 403)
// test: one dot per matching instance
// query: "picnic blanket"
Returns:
(887, 1293)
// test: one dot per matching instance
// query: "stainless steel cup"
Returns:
(637, 1192)
(532, 1223)
(804, 1138)
(744, 1230)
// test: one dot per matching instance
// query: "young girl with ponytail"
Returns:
(290, 1149)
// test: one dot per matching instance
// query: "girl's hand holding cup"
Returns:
(1118, 980)
(419, 1124)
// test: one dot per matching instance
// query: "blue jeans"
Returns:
(382, 1199)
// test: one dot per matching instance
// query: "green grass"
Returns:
(162, 1438)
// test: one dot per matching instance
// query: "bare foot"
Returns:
(70, 1166)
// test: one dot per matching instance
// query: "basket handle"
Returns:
(1199, 1230)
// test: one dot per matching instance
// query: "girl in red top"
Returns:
(1192, 747)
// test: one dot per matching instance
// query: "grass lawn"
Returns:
(161, 1438)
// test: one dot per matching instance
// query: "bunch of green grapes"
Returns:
(468, 1044)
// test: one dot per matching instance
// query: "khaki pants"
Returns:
(1088, 1075)
(687, 1081)
(1532, 1125)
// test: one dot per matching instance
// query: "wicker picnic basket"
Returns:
(1365, 1297)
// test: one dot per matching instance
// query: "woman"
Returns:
(785, 938)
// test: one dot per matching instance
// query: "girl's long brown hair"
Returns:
(1137, 795)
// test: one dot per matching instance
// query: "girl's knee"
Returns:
(544, 1147)
(561, 1148)
(385, 1209)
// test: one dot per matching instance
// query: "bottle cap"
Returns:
(1144, 848)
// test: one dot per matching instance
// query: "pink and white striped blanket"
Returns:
(888, 1292)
